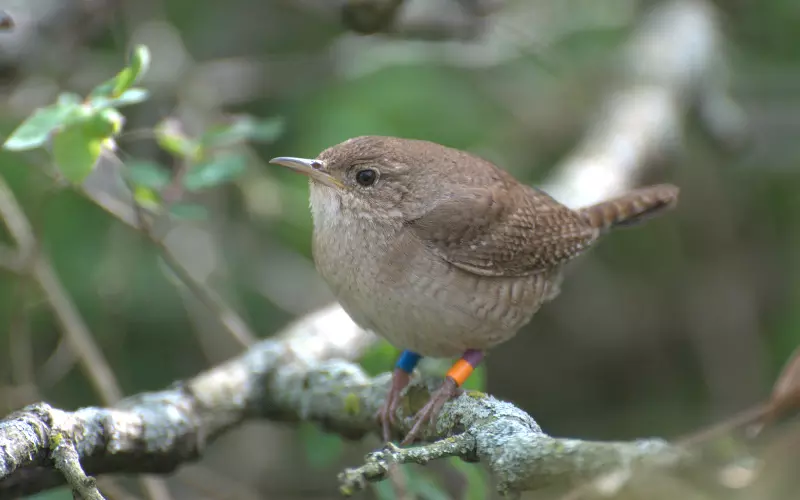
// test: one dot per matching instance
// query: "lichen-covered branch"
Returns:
(68, 462)
(157, 432)
(520, 456)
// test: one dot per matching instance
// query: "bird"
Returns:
(443, 253)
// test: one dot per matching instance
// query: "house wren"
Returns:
(441, 252)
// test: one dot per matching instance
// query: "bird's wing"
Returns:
(503, 230)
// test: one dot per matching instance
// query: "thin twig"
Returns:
(398, 480)
(741, 420)
(77, 333)
(57, 365)
(17, 224)
(134, 215)
(228, 318)
(112, 490)
(20, 348)
(174, 191)
(377, 465)
(74, 328)
(155, 487)
(66, 459)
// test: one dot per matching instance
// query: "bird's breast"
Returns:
(390, 283)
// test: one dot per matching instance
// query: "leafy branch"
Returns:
(77, 131)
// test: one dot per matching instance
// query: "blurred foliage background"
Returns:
(658, 331)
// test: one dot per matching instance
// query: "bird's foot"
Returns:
(432, 408)
(387, 415)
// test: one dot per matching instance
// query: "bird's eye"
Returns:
(366, 177)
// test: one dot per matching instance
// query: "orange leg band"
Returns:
(460, 372)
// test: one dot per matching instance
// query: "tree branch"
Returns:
(520, 456)
(157, 432)
(672, 64)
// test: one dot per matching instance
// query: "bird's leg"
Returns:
(456, 376)
(400, 378)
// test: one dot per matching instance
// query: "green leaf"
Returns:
(379, 358)
(76, 152)
(140, 61)
(127, 98)
(243, 128)
(36, 129)
(170, 137)
(146, 197)
(322, 448)
(212, 173)
(105, 89)
(130, 96)
(104, 123)
(68, 99)
(138, 66)
(123, 80)
(189, 211)
(148, 174)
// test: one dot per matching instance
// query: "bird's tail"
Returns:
(631, 208)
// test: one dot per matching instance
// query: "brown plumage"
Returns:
(440, 251)
(631, 208)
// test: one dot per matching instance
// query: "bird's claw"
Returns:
(387, 415)
(431, 410)
(390, 447)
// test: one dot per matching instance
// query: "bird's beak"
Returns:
(312, 168)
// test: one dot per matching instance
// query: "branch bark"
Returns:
(303, 375)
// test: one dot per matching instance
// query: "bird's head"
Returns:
(386, 178)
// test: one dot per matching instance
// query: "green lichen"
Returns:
(352, 405)
(477, 394)
(56, 439)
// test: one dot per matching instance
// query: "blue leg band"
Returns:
(408, 361)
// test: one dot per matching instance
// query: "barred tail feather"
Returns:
(631, 208)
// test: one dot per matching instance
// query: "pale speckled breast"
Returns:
(395, 287)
